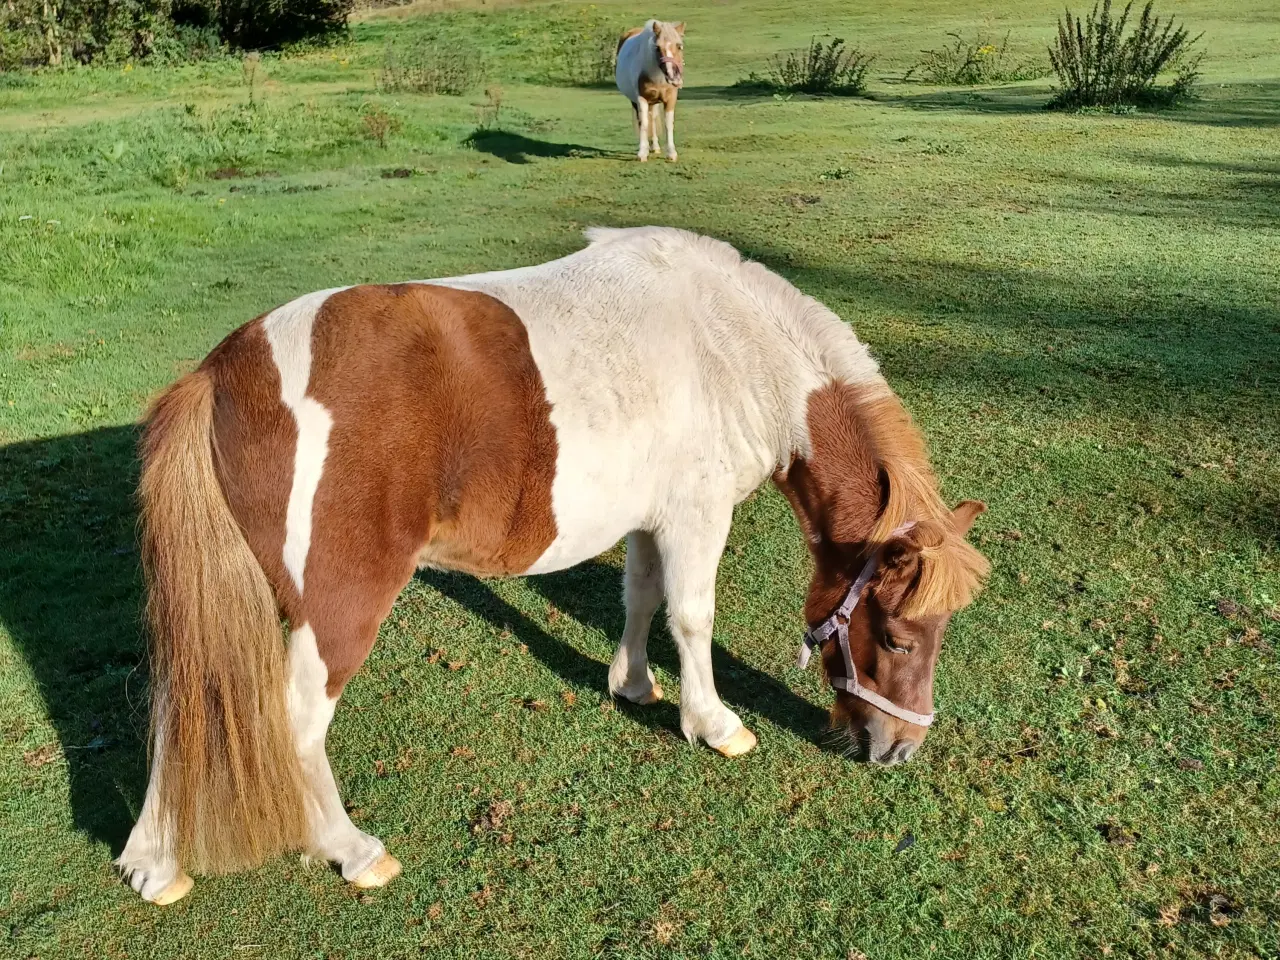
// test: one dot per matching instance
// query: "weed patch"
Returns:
(974, 62)
(821, 68)
(1098, 65)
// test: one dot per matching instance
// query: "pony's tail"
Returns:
(229, 784)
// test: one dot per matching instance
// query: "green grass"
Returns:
(1083, 312)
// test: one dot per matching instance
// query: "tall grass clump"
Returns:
(432, 66)
(1099, 66)
(822, 67)
(982, 60)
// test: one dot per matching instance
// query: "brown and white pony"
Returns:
(650, 73)
(510, 423)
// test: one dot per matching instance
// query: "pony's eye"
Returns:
(892, 643)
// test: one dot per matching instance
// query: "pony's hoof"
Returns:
(385, 869)
(744, 741)
(672, 157)
(642, 157)
(174, 891)
(653, 696)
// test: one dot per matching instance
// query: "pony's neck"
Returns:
(865, 473)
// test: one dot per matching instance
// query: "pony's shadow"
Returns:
(591, 593)
(517, 148)
(70, 599)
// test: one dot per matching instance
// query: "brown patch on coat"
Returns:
(659, 92)
(441, 452)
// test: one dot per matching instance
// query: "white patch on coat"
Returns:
(333, 836)
(288, 331)
(678, 376)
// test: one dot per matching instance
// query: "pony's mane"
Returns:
(951, 570)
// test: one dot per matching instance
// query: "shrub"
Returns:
(379, 124)
(1098, 66)
(820, 68)
(587, 58)
(973, 62)
(432, 66)
(255, 24)
(44, 32)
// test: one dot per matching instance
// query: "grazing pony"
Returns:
(510, 423)
(650, 73)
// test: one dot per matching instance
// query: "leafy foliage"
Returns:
(53, 33)
(974, 62)
(830, 68)
(1098, 66)
(587, 56)
(432, 66)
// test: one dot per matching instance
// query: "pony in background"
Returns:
(650, 73)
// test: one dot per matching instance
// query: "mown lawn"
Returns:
(1082, 311)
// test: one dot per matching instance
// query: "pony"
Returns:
(650, 73)
(509, 423)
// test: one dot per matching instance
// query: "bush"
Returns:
(256, 24)
(820, 68)
(1098, 66)
(432, 66)
(974, 62)
(587, 58)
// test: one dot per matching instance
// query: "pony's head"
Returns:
(891, 565)
(668, 38)
(913, 585)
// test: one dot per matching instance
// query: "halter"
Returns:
(838, 624)
(671, 60)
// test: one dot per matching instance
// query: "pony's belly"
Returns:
(601, 493)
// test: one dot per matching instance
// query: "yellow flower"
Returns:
(127, 68)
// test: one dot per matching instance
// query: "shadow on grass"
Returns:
(736, 93)
(591, 593)
(1234, 105)
(517, 148)
(70, 596)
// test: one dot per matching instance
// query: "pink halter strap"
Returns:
(838, 625)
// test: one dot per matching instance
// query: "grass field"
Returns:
(1082, 311)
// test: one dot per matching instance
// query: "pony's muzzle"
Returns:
(875, 736)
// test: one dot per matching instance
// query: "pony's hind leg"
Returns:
(361, 857)
(655, 127)
(690, 555)
(148, 861)
(629, 674)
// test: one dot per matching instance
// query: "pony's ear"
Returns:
(898, 574)
(680, 28)
(657, 28)
(965, 513)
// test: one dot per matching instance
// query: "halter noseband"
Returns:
(838, 625)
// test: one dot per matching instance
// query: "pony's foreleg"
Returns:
(690, 555)
(669, 111)
(642, 122)
(629, 674)
(362, 858)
